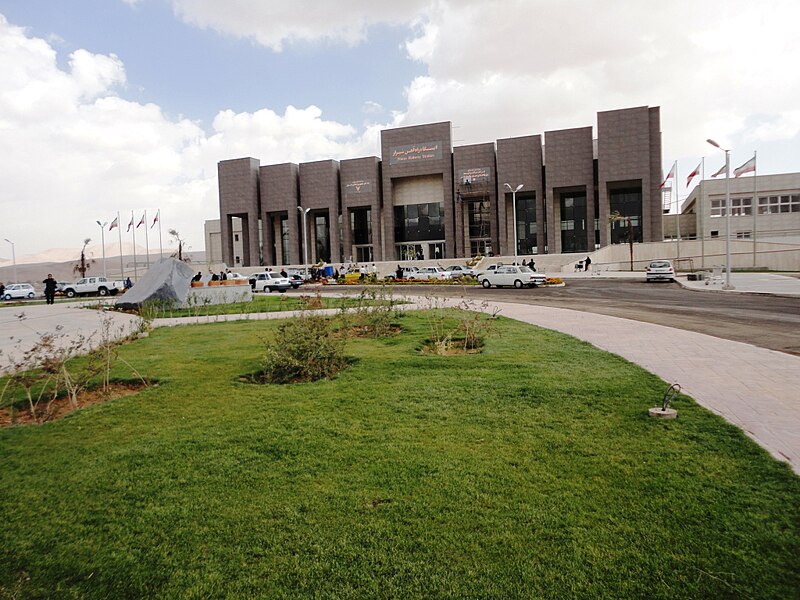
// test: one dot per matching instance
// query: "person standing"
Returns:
(50, 289)
(586, 263)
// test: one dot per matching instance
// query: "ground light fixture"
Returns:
(13, 259)
(514, 210)
(727, 285)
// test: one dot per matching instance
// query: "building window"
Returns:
(526, 223)
(235, 237)
(628, 203)
(773, 205)
(285, 240)
(361, 226)
(323, 246)
(743, 235)
(418, 222)
(573, 222)
(740, 207)
(237, 260)
(714, 233)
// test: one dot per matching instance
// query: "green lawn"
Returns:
(530, 470)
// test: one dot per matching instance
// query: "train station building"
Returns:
(424, 198)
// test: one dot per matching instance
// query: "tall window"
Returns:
(418, 222)
(526, 222)
(628, 203)
(361, 226)
(480, 230)
(322, 238)
(285, 240)
(573, 222)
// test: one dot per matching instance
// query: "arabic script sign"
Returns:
(399, 155)
(358, 187)
(476, 175)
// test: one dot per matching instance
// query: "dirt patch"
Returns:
(60, 407)
(452, 348)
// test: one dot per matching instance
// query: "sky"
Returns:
(111, 106)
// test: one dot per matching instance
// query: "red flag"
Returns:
(114, 223)
(669, 175)
(140, 222)
(693, 174)
(748, 167)
(155, 220)
(129, 225)
(720, 172)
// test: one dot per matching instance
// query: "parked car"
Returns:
(296, 280)
(18, 290)
(431, 273)
(93, 285)
(490, 269)
(269, 281)
(660, 270)
(461, 271)
(508, 275)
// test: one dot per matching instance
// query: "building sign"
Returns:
(476, 175)
(363, 186)
(399, 155)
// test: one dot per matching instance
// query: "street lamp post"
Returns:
(305, 237)
(514, 210)
(13, 259)
(103, 242)
(727, 285)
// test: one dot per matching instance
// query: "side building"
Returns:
(425, 199)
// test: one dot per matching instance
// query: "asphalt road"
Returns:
(767, 321)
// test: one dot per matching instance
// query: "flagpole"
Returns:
(160, 246)
(755, 202)
(121, 261)
(133, 233)
(700, 214)
(146, 239)
(677, 205)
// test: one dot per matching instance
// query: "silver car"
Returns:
(660, 270)
(18, 290)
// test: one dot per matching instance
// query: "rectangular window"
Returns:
(285, 240)
(743, 235)
(418, 222)
(235, 237)
(628, 203)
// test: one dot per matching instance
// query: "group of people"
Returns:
(223, 276)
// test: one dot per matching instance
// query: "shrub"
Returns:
(304, 349)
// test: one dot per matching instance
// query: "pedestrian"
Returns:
(532, 266)
(284, 274)
(586, 263)
(197, 277)
(2, 289)
(398, 274)
(50, 289)
(222, 276)
(128, 283)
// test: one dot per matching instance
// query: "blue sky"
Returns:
(128, 105)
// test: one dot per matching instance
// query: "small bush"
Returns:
(304, 349)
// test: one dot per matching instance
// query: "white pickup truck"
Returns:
(92, 285)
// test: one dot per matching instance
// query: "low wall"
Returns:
(218, 294)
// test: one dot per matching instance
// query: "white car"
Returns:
(508, 275)
(269, 281)
(461, 271)
(431, 273)
(660, 270)
(18, 290)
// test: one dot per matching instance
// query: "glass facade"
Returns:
(480, 228)
(573, 222)
(418, 222)
(628, 203)
(526, 223)
(285, 240)
(322, 238)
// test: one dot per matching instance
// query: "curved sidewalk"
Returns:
(756, 389)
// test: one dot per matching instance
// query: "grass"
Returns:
(530, 470)
(262, 303)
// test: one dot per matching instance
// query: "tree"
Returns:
(83, 266)
(179, 253)
(615, 216)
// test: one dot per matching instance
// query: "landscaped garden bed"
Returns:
(529, 469)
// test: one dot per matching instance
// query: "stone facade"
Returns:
(420, 172)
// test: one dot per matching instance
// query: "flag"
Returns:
(693, 174)
(129, 225)
(155, 219)
(669, 175)
(720, 172)
(748, 167)
(114, 223)
(140, 222)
